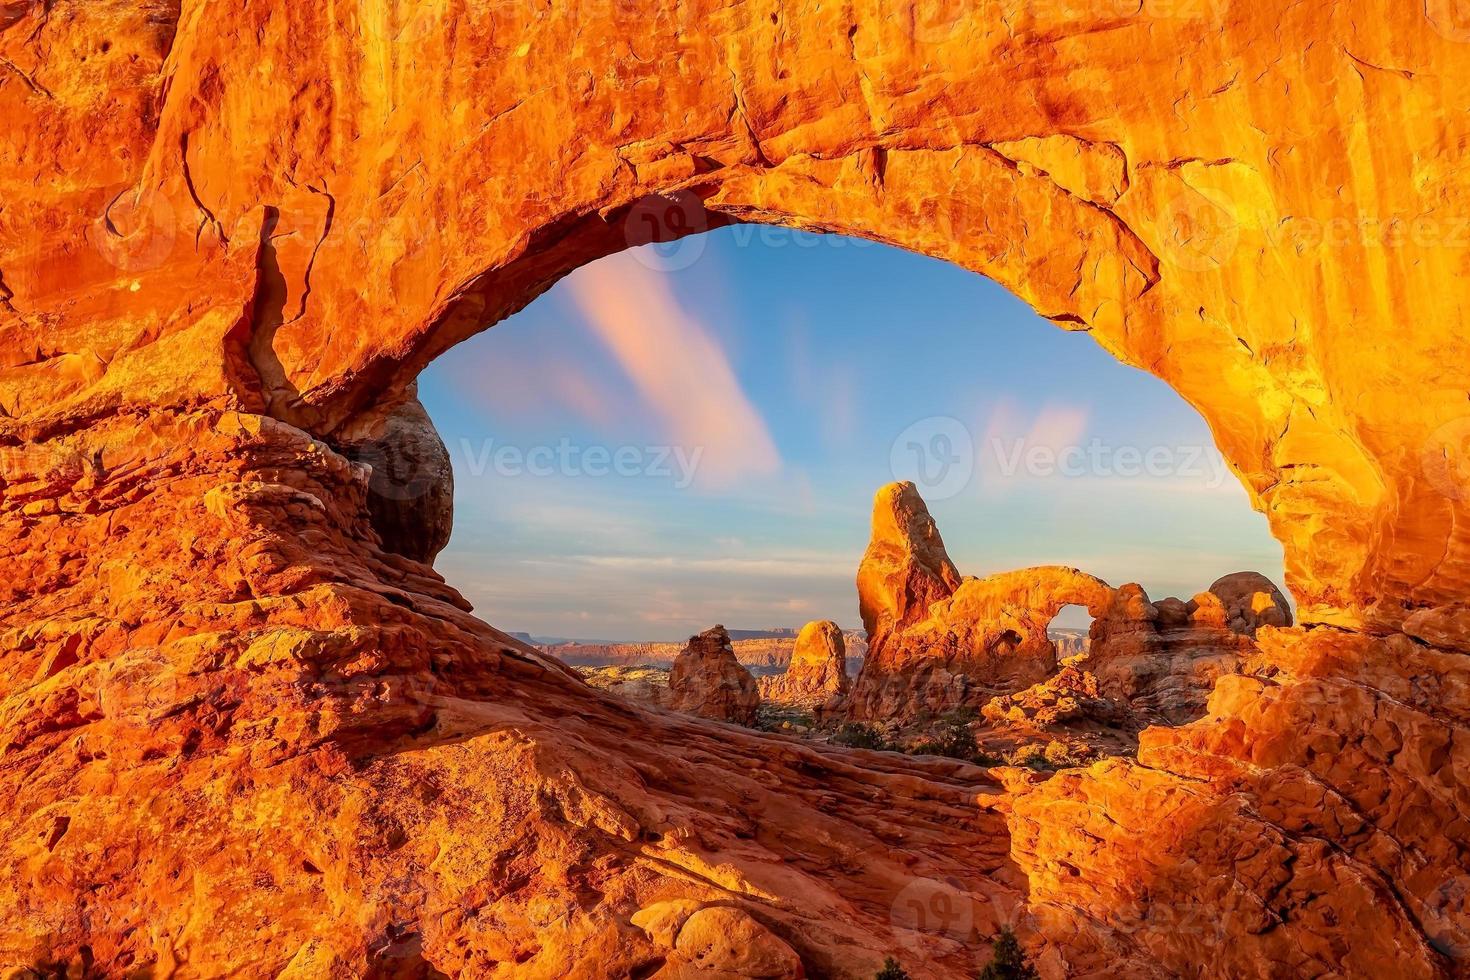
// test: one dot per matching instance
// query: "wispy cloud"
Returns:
(678, 367)
(795, 565)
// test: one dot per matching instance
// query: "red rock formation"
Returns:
(1163, 659)
(707, 681)
(241, 736)
(1071, 695)
(410, 482)
(905, 569)
(1251, 601)
(817, 672)
(936, 643)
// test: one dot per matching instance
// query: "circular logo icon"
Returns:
(1450, 18)
(663, 230)
(936, 454)
(1445, 459)
(928, 907)
(397, 472)
(136, 232)
(1197, 234)
(139, 690)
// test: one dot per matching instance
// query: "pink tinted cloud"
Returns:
(677, 366)
(1058, 426)
(1007, 434)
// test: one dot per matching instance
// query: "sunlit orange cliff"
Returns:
(245, 728)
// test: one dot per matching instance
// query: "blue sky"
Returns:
(683, 435)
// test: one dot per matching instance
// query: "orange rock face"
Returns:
(817, 672)
(245, 731)
(936, 642)
(1163, 659)
(708, 681)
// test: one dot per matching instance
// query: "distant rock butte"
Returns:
(817, 672)
(937, 642)
(707, 681)
(246, 732)
(1163, 659)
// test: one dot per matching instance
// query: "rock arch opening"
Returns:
(778, 361)
(195, 318)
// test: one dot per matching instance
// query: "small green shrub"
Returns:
(858, 736)
(1032, 756)
(891, 971)
(1008, 961)
(954, 739)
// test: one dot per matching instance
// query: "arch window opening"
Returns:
(683, 436)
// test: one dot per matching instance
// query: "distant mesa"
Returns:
(762, 652)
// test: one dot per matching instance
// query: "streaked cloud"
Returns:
(677, 366)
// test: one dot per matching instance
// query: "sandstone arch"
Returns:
(230, 228)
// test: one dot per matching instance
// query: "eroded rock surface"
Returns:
(1162, 659)
(707, 680)
(242, 737)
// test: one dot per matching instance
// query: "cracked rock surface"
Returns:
(243, 728)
